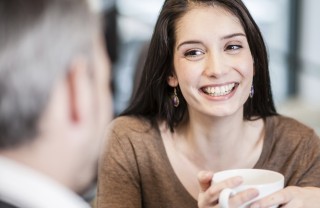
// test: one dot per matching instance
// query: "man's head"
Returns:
(54, 95)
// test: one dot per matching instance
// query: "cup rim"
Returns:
(277, 174)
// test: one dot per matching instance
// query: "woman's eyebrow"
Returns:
(233, 35)
(200, 42)
(189, 42)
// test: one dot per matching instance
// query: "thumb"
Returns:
(204, 179)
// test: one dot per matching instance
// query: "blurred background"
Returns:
(290, 28)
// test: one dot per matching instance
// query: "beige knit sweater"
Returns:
(135, 171)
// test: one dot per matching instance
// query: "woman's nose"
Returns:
(215, 66)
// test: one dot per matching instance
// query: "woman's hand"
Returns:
(291, 197)
(209, 192)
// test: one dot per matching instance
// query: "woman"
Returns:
(204, 103)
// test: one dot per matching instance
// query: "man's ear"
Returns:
(77, 87)
(172, 81)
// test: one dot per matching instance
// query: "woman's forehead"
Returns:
(207, 19)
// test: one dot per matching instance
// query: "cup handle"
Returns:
(224, 197)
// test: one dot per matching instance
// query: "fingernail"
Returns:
(255, 206)
(237, 180)
(253, 193)
(208, 174)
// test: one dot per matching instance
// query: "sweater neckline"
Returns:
(177, 182)
(267, 140)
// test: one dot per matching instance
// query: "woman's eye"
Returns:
(233, 47)
(193, 53)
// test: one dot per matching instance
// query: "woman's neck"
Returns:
(230, 139)
(215, 131)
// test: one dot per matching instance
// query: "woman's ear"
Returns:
(172, 81)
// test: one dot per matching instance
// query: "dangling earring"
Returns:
(251, 91)
(175, 98)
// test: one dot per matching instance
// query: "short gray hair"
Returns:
(38, 39)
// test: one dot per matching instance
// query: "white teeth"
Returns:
(223, 89)
(219, 91)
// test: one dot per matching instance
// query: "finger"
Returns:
(283, 196)
(243, 197)
(204, 179)
(229, 183)
(214, 191)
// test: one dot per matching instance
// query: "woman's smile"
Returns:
(218, 91)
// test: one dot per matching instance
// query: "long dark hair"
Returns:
(152, 99)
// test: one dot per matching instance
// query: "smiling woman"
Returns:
(207, 63)
(204, 103)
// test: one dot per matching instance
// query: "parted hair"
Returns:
(38, 40)
(152, 98)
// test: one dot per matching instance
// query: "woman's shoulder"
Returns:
(134, 134)
(133, 122)
(283, 126)
(284, 122)
(132, 126)
(292, 148)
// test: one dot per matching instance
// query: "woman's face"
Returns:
(212, 61)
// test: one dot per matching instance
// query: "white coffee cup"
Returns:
(265, 181)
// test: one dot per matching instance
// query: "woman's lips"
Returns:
(218, 91)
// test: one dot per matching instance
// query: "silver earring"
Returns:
(251, 91)
(175, 98)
